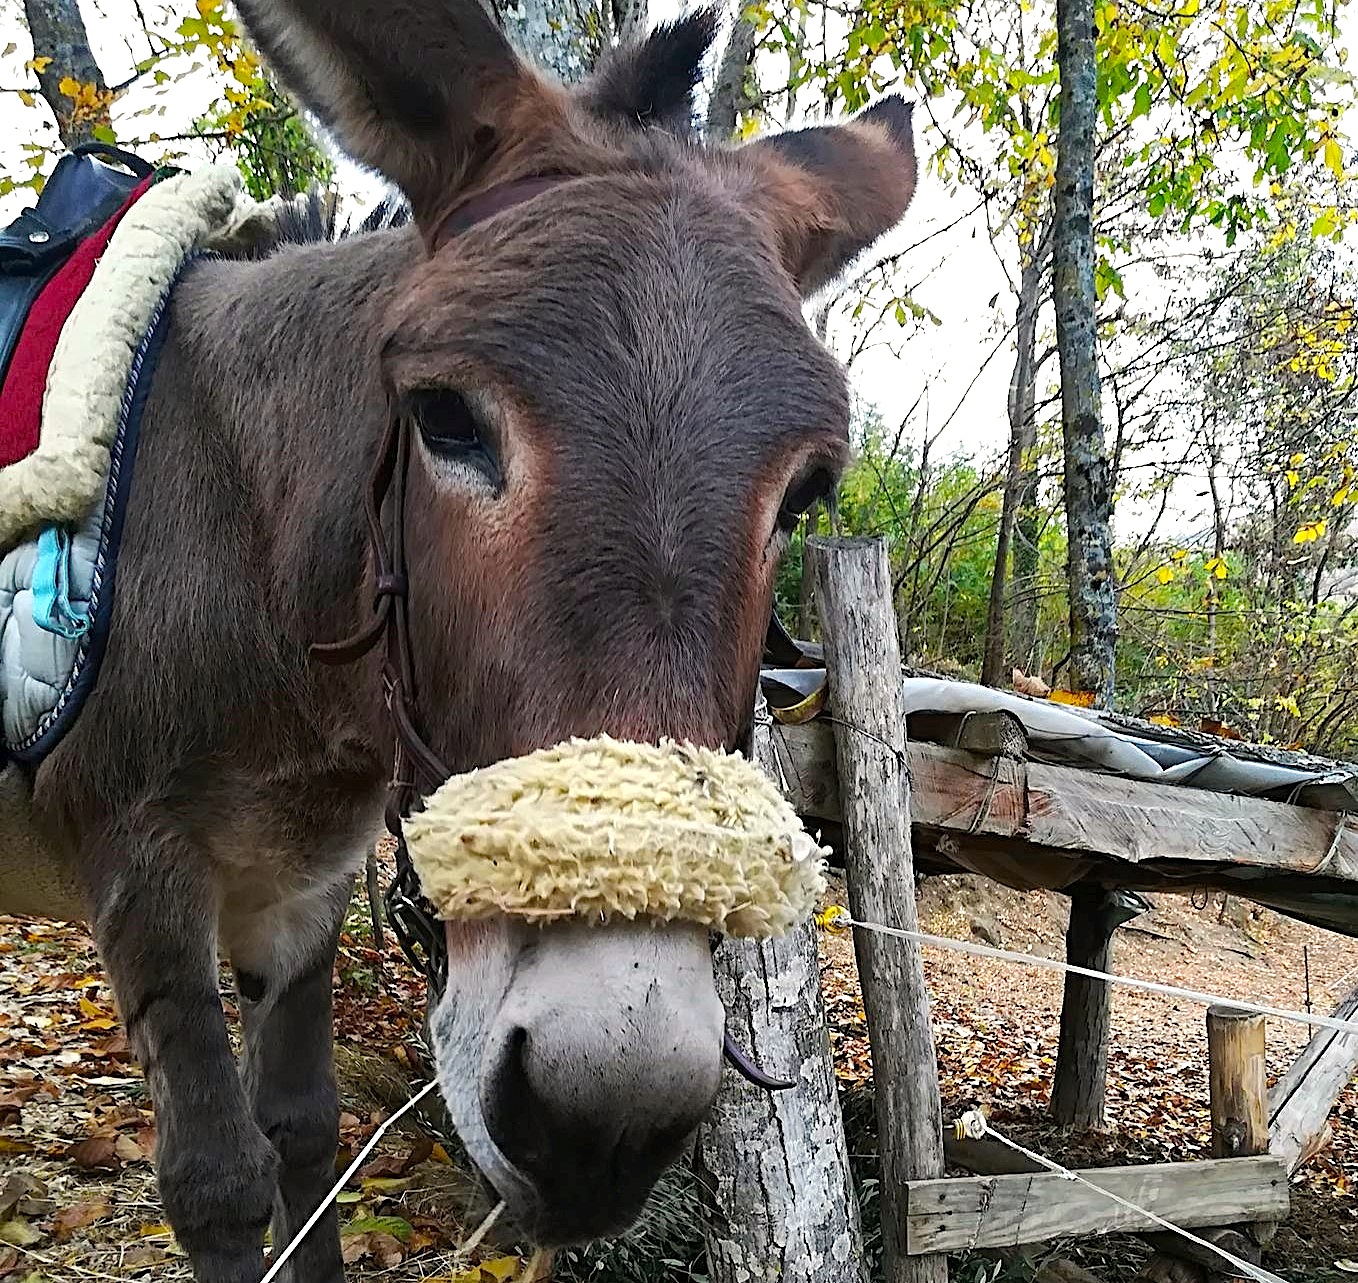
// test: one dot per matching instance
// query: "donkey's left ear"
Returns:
(420, 90)
(648, 84)
(836, 188)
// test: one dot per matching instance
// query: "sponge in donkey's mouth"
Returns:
(602, 829)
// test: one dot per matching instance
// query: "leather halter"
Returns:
(417, 768)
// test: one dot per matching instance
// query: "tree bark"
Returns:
(863, 658)
(549, 33)
(1089, 564)
(1022, 439)
(774, 1167)
(730, 93)
(1082, 1059)
(58, 33)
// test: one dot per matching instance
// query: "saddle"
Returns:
(83, 192)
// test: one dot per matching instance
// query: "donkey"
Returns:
(619, 415)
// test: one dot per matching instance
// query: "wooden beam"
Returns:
(862, 652)
(1299, 1106)
(1079, 813)
(1005, 1211)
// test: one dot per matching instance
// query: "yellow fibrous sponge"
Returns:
(604, 828)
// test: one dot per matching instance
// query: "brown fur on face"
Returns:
(657, 391)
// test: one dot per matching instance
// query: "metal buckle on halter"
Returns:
(417, 930)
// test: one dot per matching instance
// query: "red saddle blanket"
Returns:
(25, 380)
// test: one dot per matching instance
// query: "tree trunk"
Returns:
(730, 92)
(1082, 1060)
(58, 33)
(1089, 568)
(1022, 438)
(774, 1167)
(551, 34)
(1023, 616)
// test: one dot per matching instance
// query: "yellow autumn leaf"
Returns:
(1309, 533)
(1297, 460)
(1077, 699)
(1339, 496)
(1334, 158)
(1292, 478)
(1216, 567)
(501, 1268)
(1164, 719)
(38, 64)
(1164, 574)
(26, 98)
(69, 86)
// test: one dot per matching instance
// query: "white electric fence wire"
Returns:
(974, 1125)
(282, 1259)
(841, 919)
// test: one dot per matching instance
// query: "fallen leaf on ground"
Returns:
(99, 1153)
(69, 1219)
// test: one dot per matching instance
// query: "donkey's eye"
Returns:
(451, 428)
(813, 484)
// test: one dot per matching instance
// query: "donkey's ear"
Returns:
(852, 184)
(415, 89)
(650, 83)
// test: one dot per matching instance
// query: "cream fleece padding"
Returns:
(602, 828)
(64, 477)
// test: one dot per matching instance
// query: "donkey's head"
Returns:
(621, 414)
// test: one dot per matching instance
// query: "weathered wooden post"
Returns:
(1082, 1058)
(863, 658)
(1237, 1083)
(775, 1167)
(1238, 1094)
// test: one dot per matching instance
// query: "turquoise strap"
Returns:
(52, 608)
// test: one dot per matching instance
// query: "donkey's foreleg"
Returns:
(155, 924)
(288, 1068)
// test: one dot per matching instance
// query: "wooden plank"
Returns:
(1300, 1104)
(1084, 813)
(862, 652)
(957, 1215)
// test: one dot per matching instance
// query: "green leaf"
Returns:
(399, 1229)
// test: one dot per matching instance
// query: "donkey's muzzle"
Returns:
(602, 1064)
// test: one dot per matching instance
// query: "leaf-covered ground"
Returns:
(77, 1132)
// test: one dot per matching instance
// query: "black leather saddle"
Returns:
(83, 192)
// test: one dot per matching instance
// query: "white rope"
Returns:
(840, 918)
(339, 1185)
(975, 1125)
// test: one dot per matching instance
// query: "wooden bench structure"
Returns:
(970, 799)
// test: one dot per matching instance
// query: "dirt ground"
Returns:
(78, 1200)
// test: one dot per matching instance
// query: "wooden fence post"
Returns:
(863, 659)
(1238, 1092)
(1237, 1083)
(774, 1168)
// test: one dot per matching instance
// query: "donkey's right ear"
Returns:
(419, 90)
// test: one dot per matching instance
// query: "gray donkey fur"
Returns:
(621, 414)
